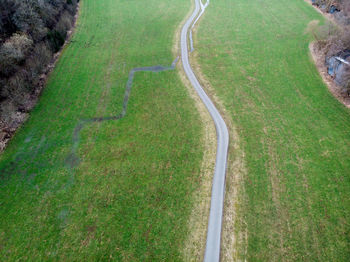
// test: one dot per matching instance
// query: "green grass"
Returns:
(131, 194)
(295, 135)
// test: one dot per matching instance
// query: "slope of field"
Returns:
(111, 190)
(295, 135)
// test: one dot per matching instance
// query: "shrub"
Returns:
(56, 40)
(17, 91)
(41, 57)
(58, 35)
(71, 7)
(7, 9)
(49, 14)
(64, 24)
(13, 52)
(338, 42)
(321, 32)
(347, 79)
(7, 109)
(27, 20)
(36, 65)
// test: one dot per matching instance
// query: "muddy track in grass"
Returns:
(72, 160)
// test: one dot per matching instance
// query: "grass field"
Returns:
(128, 193)
(294, 134)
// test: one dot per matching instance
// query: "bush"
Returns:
(7, 9)
(58, 35)
(64, 24)
(36, 65)
(27, 20)
(49, 14)
(347, 80)
(41, 57)
(338, 42)
(7, 109)
(56, 40)
(17, 90)
(322, 33)
(346, 8)
(13, 52)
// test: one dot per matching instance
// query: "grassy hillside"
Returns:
(126, 194)
(295, 135)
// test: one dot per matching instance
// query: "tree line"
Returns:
(31, 32)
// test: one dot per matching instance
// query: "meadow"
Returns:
(115, 189)
(295, 197)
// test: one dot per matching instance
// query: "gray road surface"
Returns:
(212, 250)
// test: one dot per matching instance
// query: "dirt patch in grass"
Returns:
(319, 57)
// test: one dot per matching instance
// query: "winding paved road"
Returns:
(212, 250)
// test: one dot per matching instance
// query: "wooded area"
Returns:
(31, 32)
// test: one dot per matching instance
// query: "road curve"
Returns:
(212, 250)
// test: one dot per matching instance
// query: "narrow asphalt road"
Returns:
(212, 250)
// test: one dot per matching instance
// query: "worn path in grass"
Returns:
(126, 193)
(295, 135)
